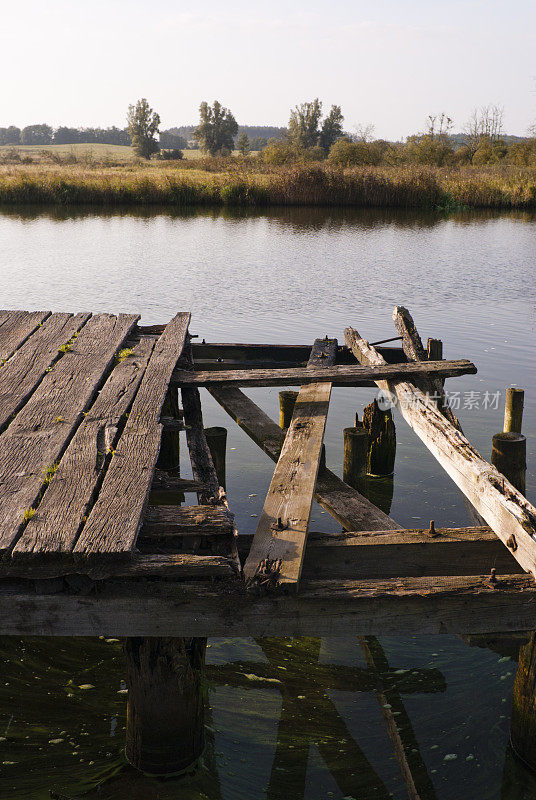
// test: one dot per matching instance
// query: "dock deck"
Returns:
(95, 537)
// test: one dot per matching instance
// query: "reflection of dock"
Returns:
(94, 537)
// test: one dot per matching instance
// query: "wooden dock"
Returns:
(95, 536)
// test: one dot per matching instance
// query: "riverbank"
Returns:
(249, 184)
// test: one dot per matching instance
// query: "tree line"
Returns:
(309, 136)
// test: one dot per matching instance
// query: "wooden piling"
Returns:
(435, 350)
(513, 410)
(287, 401)
(508, 454)
(523, 719)
(356, 443)
(382, 439)
(165, 712)
(217, 444)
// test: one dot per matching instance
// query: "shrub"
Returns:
(345, 153)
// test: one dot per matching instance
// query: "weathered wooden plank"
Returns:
(414, 350)
(165, 522)
(37, 437)
(115, 519)
(74, 485)
(392, 554)
(282, 529)
(397, 607)
(504, 509)
(163, 481)
(21, 374)
(166, 566)
(346, 505)
(341, 375)
(15, 328)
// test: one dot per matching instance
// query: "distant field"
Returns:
(114, 152)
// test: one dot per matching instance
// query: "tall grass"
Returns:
(243, 184)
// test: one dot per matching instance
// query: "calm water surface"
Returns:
(289, 719)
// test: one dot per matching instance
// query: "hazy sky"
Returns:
(387, 62)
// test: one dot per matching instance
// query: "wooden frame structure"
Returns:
(93, 540)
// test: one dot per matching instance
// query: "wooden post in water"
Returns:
(356, 442)
(217, 444)
(382, 439)
(523, 719)
(165, 712)
(287, 401)
(435, 350)
(513, 410)
(508, 454)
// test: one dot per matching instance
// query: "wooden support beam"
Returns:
(395, 606)
(279, 543)
(338, 375)
(504, 509)
(394, 553)
(164, 522)
(346, 505)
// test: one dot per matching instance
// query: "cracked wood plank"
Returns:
(16, 327)
(282, 529)
(341, 375)
(54, 528)
(115, 519)
(42, 429)
(21, 375)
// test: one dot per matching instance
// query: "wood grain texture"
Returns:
(115, 519)
(397, 607)
(16, 327)
(72, 489)
(20, 376)
(37, 437)
(282, 529)
(346, 505)
(165, 522)
(341, 375)
(203, 467)
(503, 508)
(414, 350)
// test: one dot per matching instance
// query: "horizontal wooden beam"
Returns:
(166, 566)
(163, 522)
(339, 375)
(242, 351)
(394, 553)
(395, 607)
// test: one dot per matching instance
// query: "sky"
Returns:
(389, 63)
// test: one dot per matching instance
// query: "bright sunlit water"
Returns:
(288, 276)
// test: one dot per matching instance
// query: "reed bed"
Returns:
(244, 184)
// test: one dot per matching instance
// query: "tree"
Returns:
(36, 134)
(13, 135)
(484, 126)
(303, 124)
(331, 129)
(216, 130)
(243, 144)
(63, 135)
(143, 124)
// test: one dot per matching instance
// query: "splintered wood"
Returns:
(279, 542)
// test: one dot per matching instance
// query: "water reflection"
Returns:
(296, 219)
(310, 719)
